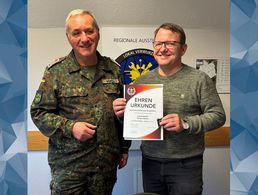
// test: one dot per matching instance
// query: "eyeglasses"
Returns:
(168, 44)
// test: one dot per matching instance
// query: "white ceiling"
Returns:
(187, 13)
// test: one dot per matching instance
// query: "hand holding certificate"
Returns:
(143, 111)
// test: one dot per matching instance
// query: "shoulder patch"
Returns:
(56, 61)
(37, 97)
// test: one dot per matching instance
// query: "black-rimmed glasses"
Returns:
(167, 44)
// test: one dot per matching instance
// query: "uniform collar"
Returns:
(74, 66)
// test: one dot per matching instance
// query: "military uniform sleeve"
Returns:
(213, 114)
(124, 144)
(44, 109)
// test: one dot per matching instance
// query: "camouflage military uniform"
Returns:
(66, 95)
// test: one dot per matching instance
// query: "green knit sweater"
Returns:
(191, 94)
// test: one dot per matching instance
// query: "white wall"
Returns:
(45, 45)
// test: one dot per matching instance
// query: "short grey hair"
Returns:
(80, 12)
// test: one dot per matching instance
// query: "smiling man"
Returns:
(73, 107)
(192, 106)
(82, 32)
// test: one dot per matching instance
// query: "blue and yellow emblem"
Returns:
(135, 63)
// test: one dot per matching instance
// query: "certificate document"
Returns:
(143, 111)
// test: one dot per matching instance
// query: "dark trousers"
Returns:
(173, 177)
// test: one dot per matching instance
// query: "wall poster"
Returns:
(218, 71)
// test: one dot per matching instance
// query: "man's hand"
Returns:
(172, 122)
(83, 131)
(119, 106)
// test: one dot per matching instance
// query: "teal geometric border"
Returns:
(244, 97)
(13, 97)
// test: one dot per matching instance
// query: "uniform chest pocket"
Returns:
(67, 92)
(111, 88)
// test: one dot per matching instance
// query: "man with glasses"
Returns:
(191, 107)
(73, 107)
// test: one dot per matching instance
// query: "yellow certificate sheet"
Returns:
(144, 109)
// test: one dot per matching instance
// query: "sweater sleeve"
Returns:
(213, 114)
